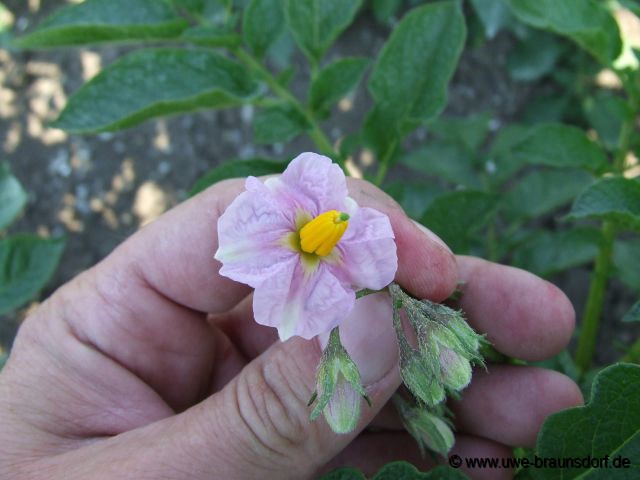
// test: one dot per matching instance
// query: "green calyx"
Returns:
(338, 388)
(446, 348)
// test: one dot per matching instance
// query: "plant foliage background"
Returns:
(509, 127)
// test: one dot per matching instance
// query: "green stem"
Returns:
(384, 162)
(633, 354)
(624, 141)
(316, 134)
(492, 243)
(593, 307)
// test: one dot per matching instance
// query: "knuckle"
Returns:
(272, 409)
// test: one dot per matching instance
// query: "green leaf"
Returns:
(469, 132)
(494, 15)
(385, 10)
(97, 21)
(27, 262)
(263, 23)
(12, 196)
(606, 113)
(543, 191)
(344, 473)
(316, 24)
(502, 161)
(237, 169)
(399, 470)
(153, 82)
(405, 471)
(3, 359)
(414, 197)
(534, 56)
(608, 425)
(615, 199)
(633, 5)
(211, 36)
(278, 124)
(562, 362)
(548, 253)
(444, 161)
(633, 315)
(626, 258)
(547, 108)
(409, 81)
(586, 22)
(558, 145)
(334, 82)
(457, 215)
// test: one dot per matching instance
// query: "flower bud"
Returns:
(429, 429)
(446, 348)
(339, 388)
(455, 369)
(421, 379)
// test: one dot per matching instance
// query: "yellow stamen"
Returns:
(321, 234)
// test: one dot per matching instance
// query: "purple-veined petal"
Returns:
(320, 181)
(302, 304)
(368, 257)
(250, 234)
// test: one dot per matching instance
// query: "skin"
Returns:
(149, 365)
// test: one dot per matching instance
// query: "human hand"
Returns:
(149, 364)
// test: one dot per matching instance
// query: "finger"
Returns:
(513, 401)
(249, 337)
(185, 238)
(261, 419)
(372, 451)
(523, 316)
(426, 268)
(469, 447)
(258, 425)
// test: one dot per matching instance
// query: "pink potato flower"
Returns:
(305, 247)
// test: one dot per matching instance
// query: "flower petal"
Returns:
(250, 234)
(299, 304)
(318, 180)
(368, 257)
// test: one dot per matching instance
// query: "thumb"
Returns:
(258, 425)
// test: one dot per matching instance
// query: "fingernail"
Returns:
(432, 235)
(368, 336)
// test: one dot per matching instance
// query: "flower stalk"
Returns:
(316, 134)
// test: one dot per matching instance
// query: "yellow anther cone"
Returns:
(321, 234)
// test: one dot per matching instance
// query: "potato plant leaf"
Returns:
(474, 210)
(278, 124)
(548, 253)
(315, 24)
(12, 196)
(409, 81)
(334, 82)
(587, 22)
(558, 145)
(98, 21)
(633, 315)
(616, 199)
(27, 262)
(609, 424)
(263, 22)
(150, 83)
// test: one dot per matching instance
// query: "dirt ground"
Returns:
(97, 190)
